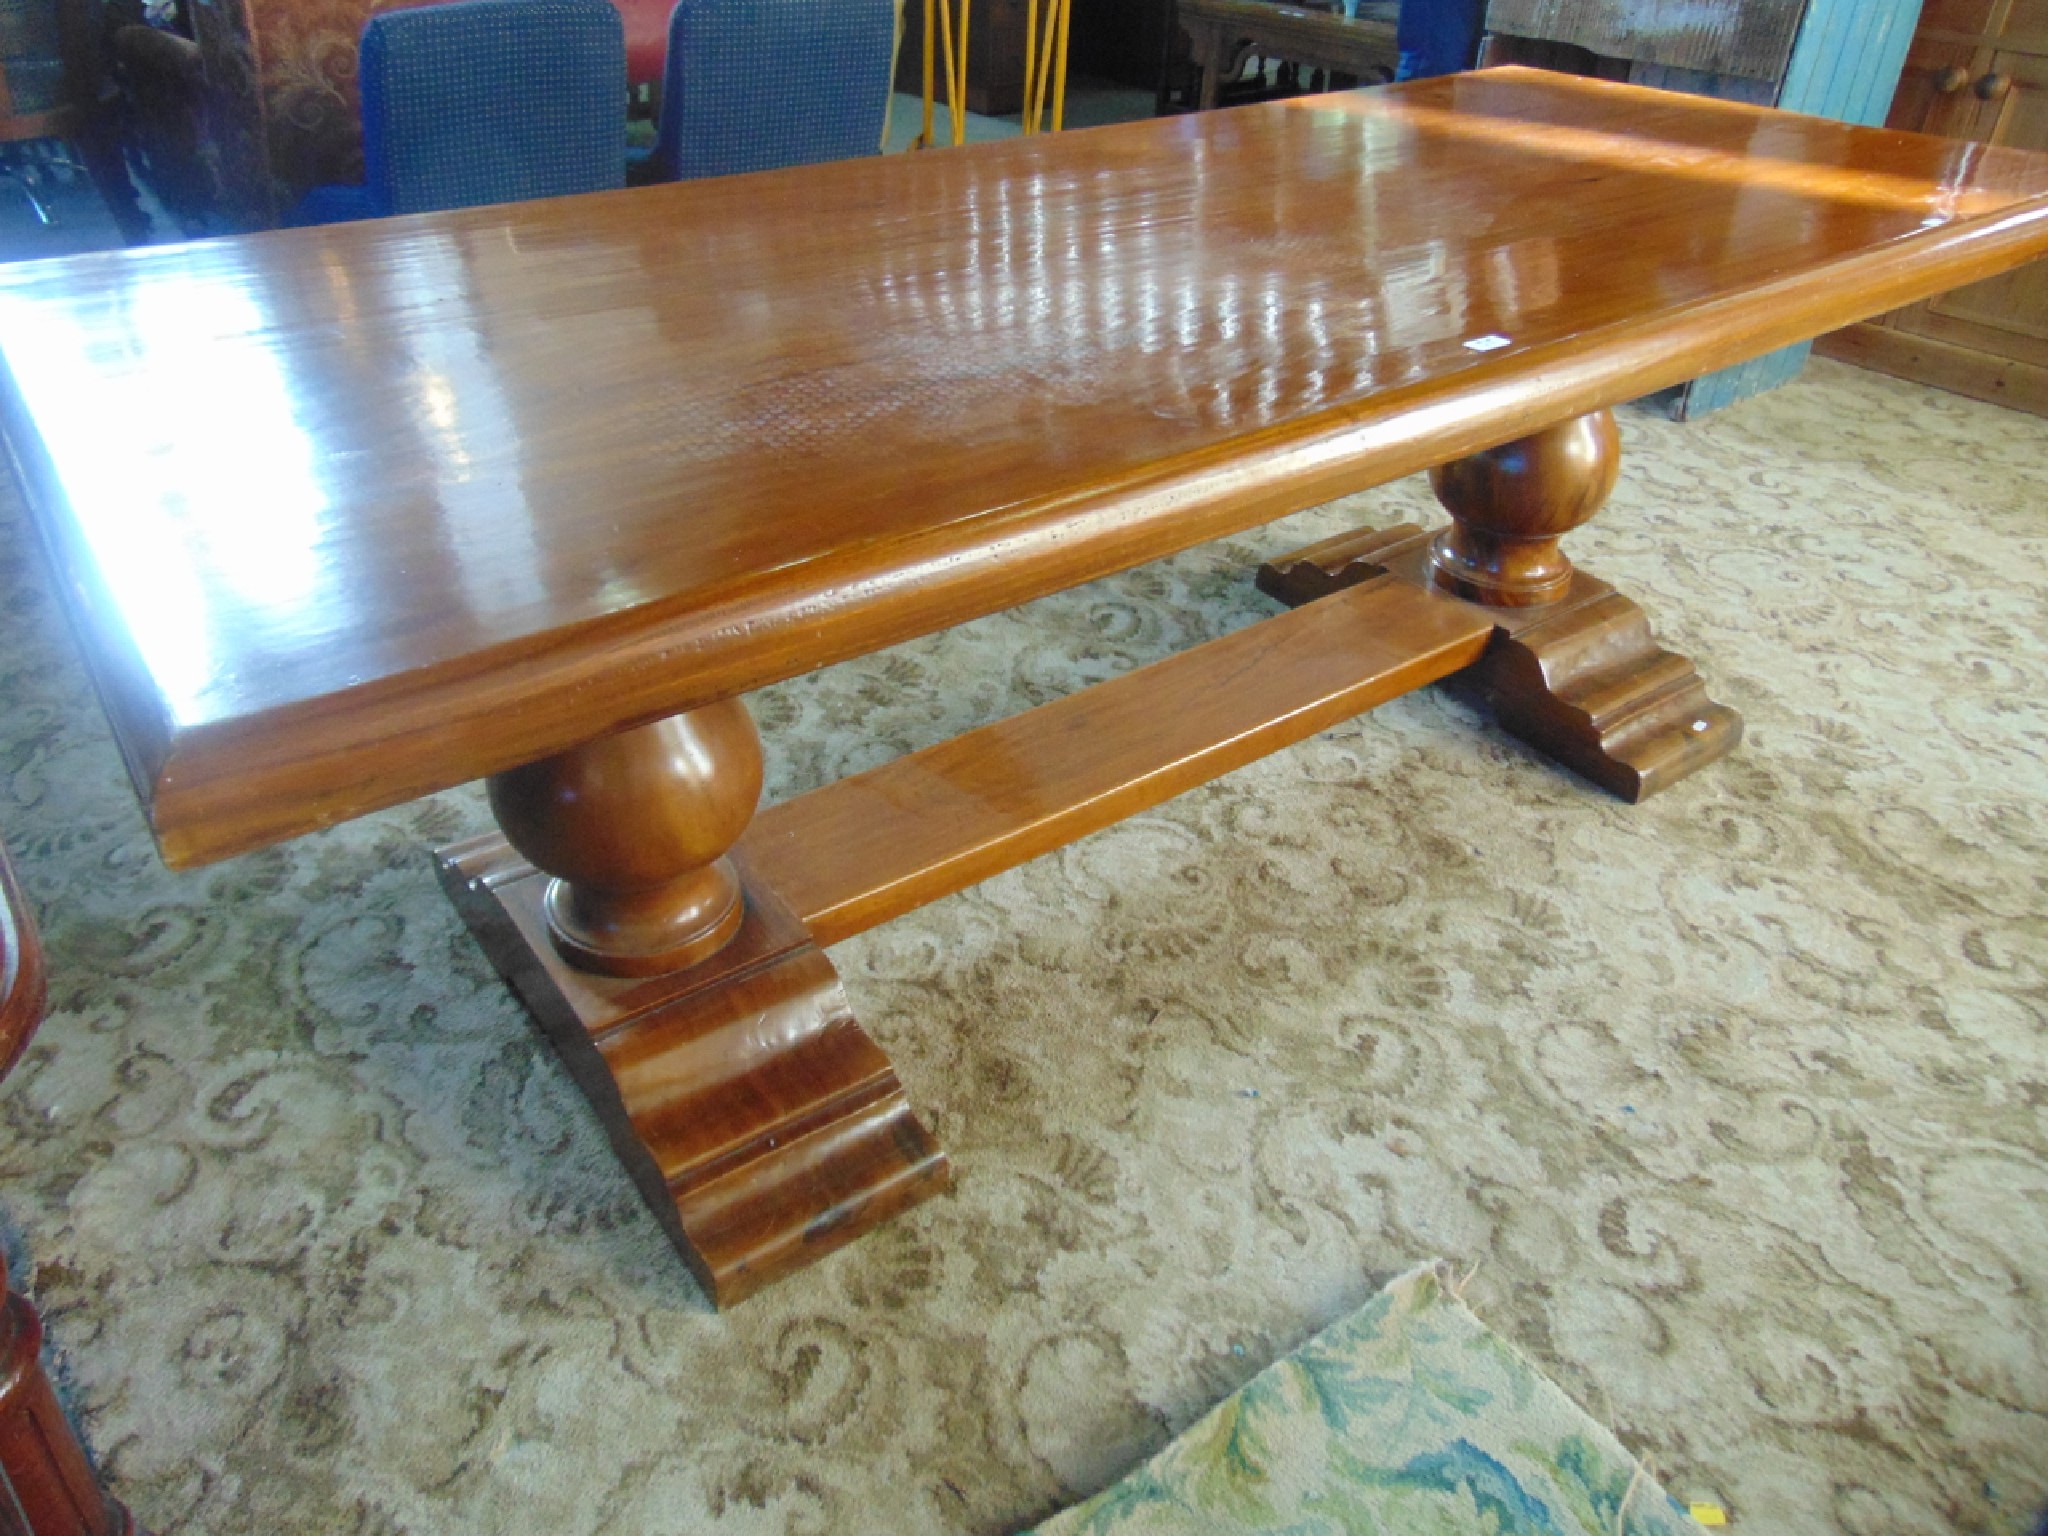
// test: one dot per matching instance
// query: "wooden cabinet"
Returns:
(1977, 70)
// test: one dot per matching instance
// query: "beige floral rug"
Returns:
(1734, 1103)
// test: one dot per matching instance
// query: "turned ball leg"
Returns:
(635, 827)
(1583, 681)
(1510, 505)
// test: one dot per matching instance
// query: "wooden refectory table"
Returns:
(539, 493)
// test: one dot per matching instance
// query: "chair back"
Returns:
(753, 85)
(492, 101)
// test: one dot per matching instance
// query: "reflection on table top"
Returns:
(361, 511)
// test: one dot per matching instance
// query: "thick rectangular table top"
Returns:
(355, 513)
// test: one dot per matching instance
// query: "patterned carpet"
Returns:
(1736, 1103)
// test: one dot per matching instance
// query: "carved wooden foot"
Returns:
(1573, 668)
(758, 1119)
(1591, 688)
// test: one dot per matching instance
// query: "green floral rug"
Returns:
(1408, 1416)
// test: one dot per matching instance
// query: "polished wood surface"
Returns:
(759, 1121)
(761, 1124)
(1511, 506)
(45, 1479)
(536, 493)
(47, 1484)
(408, 502)
(1572, 667)
(766, 1128)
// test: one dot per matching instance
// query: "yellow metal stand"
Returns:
(956, 69)
(1045, 65)
(1045, 60)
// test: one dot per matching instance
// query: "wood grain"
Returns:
(1966, 370)
(1571, 666)
(1589, 686)
(759, 1121)
(1980, 72)
(1511, 505)
(50, 1485)
(1581, 678)
(413, 501)
(636, 826)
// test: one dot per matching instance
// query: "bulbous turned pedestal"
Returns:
(1510, 505)
(635, 827)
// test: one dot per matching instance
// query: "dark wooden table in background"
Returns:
(538, 493)
(1222, 33)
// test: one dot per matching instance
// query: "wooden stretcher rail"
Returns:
(868, 848)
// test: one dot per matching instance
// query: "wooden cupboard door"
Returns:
(2022, 23)
(2007, 315)
(1962, 15)
(1977, 71)
(1935, 94)
(2026, 26)
(1967, 32)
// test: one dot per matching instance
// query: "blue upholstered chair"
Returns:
(485, 101)
(752, 85)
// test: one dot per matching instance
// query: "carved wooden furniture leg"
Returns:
(757, 1118)
(1573, 668)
